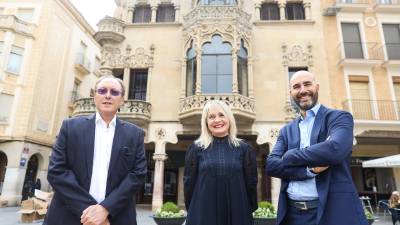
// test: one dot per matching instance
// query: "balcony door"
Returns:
(352, 41)
(361, 100)
(392, 40)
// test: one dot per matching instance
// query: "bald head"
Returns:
(302, 74)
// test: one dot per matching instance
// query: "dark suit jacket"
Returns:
(330, 145)
(70, 171)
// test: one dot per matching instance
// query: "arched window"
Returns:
(216, 67)
(242, 70)
(191, 67)
(217, 2)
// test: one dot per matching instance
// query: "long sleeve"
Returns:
(275, 166)
(63, 179)
(190, 174)
(334, 150)
(250, 175)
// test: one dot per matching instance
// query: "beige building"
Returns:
(47, 58)
(175, 55)
(363, 50)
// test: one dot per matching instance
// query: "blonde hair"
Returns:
(394, 199)
(206, 137)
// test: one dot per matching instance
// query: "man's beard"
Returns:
(306, 105)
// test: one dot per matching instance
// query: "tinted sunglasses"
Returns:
(113, 92)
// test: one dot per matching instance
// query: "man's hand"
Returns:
(319, 169)
(95, 215)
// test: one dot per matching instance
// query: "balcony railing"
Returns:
(191, 107)
(110, 29)
(372, 109)
(388, 6)
(135, 111)
(82, 63)
(11, 22)
(388, 2)
(360, 51)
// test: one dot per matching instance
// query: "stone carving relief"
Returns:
(160, 133)
(297, 56)
(114, 58)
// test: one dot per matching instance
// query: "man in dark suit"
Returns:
(312, 156)
(97, 165)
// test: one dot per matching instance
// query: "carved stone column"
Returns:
(250, 76)
(106, 70)
(282, 11)
(307, 10)
(183, 78)
(198, 72)
(153, 13)
(257, 15)
(235, 88)
(127, 77)
(158, 190)
(177, 13)
(130, 15)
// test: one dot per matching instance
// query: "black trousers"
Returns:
(295, 216)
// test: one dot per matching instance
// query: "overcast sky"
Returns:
(95, 10)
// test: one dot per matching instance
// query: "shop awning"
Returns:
(389, 161)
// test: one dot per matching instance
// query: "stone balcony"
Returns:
(135, 111)
(111, 30)
(191, 108)
(11, 22)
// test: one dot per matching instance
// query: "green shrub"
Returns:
(368, 214)
(265, 210)
(169, 210)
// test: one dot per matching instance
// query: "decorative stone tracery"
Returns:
(114, 58)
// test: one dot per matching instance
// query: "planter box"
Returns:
(264, 221)
(169, 221)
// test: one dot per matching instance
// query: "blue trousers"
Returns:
(296, 216)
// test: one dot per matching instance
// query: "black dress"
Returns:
(220, 184)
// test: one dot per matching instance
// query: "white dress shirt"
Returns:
(103, 141)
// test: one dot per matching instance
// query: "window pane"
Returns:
(25, 14)
(224, 83)
(6, 105)
(142, 14)
(392, 40)
(352, 40)
(209, 84)
(217, 2)
(209, 65)
(191, 77)
(295, 11)
(165, 13)
(242, 76)
(224, 64)
(138, 85)
(15, 60)
(270, 11)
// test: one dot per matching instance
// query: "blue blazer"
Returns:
(330, 145)
(70, 171)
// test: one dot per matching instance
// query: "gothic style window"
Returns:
(138, 84)
(295, 11)
(269, 11)
(242, 70)
(142, 14)
(217, 2)
(165, 13)
(216, 67)
(191, 67)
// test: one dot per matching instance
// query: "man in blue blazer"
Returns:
(97, 165)
(312, 156)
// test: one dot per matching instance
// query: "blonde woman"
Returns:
(220, 181)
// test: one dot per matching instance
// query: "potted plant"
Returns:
(265, 214)
(369, 216)
(169, 214)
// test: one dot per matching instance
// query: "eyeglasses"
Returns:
(104, 91)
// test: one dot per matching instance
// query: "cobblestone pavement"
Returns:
(10, 216)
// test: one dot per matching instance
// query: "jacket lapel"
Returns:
(294, 141)
(319, 119)
(89, 136)
(116, 147)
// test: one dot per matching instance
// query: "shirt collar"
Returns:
(100, 120)
(312, 112)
